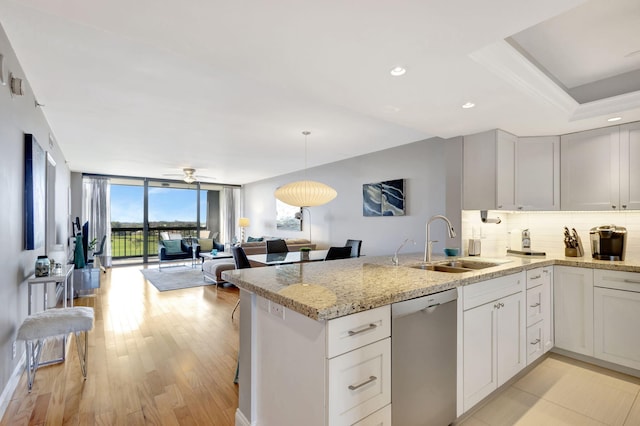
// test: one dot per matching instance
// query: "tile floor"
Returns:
(563, 391)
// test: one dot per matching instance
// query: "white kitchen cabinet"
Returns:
(600, 169)
(489, 171)
(630, 166)
(539, 307)
(320, 373)
(573, 309)
(617, 317)
(538, 173)
(493, 349)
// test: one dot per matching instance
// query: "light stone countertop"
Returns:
(327, 290)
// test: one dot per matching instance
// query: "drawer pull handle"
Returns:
(366, 382)
(535, 305)
(626, 280)
(537, 277)
(369, 327)
(535, 342)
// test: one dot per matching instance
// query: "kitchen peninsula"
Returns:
(305, 330)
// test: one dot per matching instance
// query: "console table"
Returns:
(65, 277)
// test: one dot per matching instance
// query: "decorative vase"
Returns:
(42, 266)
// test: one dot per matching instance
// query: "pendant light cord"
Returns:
(305, 133)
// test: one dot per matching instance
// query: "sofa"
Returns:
(173, 250)
(260, 247)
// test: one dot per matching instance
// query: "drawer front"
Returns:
(535, 342)
(538, 276)
(535, 304)
(354, 331)
(359, 383)
(379, 418)
(487, 291)
(619, 280)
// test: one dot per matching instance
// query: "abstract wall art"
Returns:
(34, 193)
(286, 217)
(383, 198)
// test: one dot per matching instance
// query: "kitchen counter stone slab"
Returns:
(327, 290)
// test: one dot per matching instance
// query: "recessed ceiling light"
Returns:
(615, 119)
(398, 71)
(468, 105)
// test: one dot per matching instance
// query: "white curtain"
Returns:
(96, 209)
(230, 213)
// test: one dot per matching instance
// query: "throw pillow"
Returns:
(254, 239)
(206, 244)
(172, 246)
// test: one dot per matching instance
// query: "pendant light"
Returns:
(305, 193)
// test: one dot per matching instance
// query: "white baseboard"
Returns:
(241, 420)
(12, 384)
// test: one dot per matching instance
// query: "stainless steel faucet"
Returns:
(427, 247)
(394, 259)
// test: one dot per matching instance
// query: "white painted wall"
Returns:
(422, 164)
(19, 115)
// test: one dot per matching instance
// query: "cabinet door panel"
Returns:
(538, 173)
(617, 320)
(506, 171)
(479, 369)
(573, 309)
(510, 334)
(630, 166)
(590, 170)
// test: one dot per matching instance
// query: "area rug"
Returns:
(175, 278)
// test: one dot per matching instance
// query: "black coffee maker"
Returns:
(608, 242)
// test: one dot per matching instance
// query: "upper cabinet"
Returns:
(504, 172)
(489, 174)
(600, 169)
(538, 173)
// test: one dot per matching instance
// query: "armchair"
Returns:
(172, 250)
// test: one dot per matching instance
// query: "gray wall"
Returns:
(422, 164)
(19, 115)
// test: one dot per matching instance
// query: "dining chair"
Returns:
(277, 246)
(335, 253)
(355, 247)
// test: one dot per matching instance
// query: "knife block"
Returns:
(575, 252)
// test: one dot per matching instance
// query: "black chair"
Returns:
(241, 261)
(335, 253)
(355, 247)
(277, 246)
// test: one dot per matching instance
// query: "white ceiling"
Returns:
(145, 88)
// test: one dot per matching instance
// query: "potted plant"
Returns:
(304, 253)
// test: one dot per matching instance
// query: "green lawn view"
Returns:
(131, 245)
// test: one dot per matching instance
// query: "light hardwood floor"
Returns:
(563, 391)
(154, 358)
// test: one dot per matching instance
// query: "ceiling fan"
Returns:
(189, 175)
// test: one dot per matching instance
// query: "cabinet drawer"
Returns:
(535, 342)
(620, 280)
(535, 304)
(486, 291)
(381, 417)
(353, 331)
(359, 383)
(538, 276)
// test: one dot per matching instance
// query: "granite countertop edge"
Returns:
(262, 281)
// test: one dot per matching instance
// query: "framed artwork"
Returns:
(286, 217)
(34, 193)
(383, 198)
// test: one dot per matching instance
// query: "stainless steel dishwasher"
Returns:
(423, 360)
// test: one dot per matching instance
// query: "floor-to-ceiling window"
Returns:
(145, 210)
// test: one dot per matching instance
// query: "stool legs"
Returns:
(234, 309)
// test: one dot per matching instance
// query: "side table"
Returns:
(65, 277)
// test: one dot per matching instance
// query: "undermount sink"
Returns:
(456, 266)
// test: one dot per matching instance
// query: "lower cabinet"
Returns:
(617, 317)
(494, 324)
(573, 309)
(539, 307)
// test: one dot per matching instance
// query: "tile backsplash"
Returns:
(546, 229)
